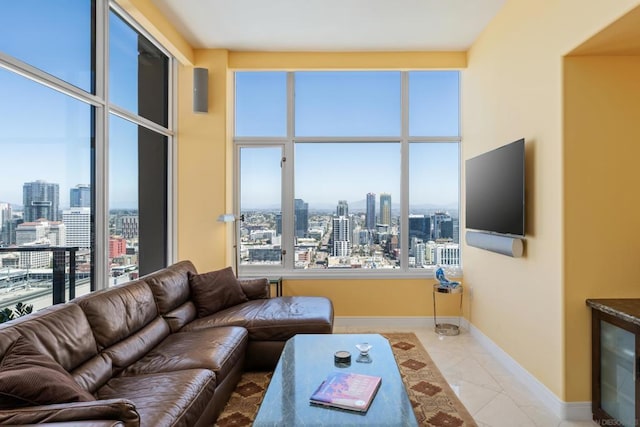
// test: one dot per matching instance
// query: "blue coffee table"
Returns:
(306, 361)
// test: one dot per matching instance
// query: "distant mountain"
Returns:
(359, 206)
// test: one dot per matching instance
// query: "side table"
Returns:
(446, 328)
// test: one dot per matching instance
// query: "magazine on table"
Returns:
(347, 390)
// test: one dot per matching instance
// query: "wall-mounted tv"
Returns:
(495, 190)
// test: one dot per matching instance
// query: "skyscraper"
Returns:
(80, 196)
(301, 217)
(343, 208)
(5, 222)
(385, 209)
(279, 224)
(371, 211)
(419, 230)
(41, 200)
(78, 222)
(442, 226)
(341, 236)
(419, 227)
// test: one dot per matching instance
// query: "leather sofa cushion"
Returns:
(255, 288)
(101, 412)
(62, 332)
(165, 399)
(217, 349)
(215, 291)
(275, 319)
(28, 378)
(180, 316)
(117, 313)
(170, 286)
(132, 348)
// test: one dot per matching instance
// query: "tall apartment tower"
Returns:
(127, 226)
(419, 231)
(5, 222)
(343, 208)
(302, 217)
(41, 200)
(385, 209)
(78, 222)
(341, 236)
(279, 224)
(80, 196)
(370, 220)
(442, 227)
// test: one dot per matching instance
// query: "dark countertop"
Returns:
(627, 309)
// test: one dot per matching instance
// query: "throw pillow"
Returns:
(215, 291)
(30, 378)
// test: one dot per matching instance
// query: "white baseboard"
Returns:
(399, 323)
(571, 411)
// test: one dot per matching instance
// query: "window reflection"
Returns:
(55, 36)
(138, 72)
(46, 187)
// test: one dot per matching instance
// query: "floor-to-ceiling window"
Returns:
(85, 143)
(347, 172)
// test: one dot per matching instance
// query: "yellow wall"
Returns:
(203, 172)
(602, 225)
(205, 175)
(516, 84)
(511, 89)
(155, 23)
(379, 297)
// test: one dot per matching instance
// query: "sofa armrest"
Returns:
(256, 288)
(113, 409)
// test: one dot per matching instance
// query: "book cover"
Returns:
(347, 390)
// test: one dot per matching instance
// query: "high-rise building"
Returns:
(442, 227)
(279, 224)
(80, 196)
(343, 208)
(39, 259)
(127, 226)
(5, 223)
(341, 237)
(41, 200)
(57, 233)
(419, 227)
(301, 217)
(420, 255)
(78, 222)
(370, 220)
(117, 246)
(385, 209)
(41, 233)
(447, 254)
(30, 232)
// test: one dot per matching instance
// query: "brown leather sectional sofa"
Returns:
(140, 355)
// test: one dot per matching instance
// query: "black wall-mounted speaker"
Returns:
(200, 90)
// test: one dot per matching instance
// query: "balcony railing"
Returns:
(59, 274)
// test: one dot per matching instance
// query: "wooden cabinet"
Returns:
(615, 364)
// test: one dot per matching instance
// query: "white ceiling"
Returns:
(331, 25)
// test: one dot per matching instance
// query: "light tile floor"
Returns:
(493, 396)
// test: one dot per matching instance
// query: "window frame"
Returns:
(286, 268)
(102, 108)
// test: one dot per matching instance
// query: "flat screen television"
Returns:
(495, 190)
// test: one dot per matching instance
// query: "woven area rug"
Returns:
(434, 402)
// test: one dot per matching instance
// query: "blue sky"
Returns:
(46, 135)
(352, 104)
